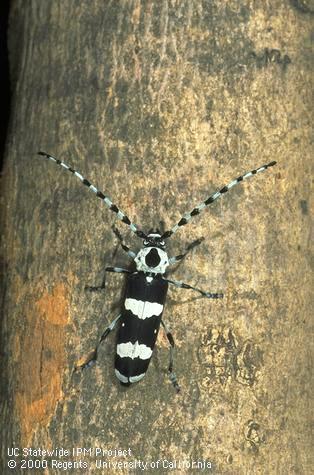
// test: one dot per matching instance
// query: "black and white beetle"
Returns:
(146, 288)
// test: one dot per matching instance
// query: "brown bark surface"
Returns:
(159, 103)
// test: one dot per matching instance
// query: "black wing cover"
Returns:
(139, 326)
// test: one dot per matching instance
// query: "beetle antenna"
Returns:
(186, 217)
(120, 214)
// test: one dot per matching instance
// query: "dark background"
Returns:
(4, 75)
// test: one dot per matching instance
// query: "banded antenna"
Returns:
(186, 217)
(120, 214)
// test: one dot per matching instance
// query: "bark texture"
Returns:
(159, 103)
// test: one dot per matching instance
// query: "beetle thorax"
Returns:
(152, 260)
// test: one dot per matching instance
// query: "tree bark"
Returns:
(159, 103)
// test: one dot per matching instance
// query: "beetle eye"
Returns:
(145, 242)
(162, 243)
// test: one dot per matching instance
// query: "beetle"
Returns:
(146, 287)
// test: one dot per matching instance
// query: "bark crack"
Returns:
(41, 359)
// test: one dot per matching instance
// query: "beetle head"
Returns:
(153, 239)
